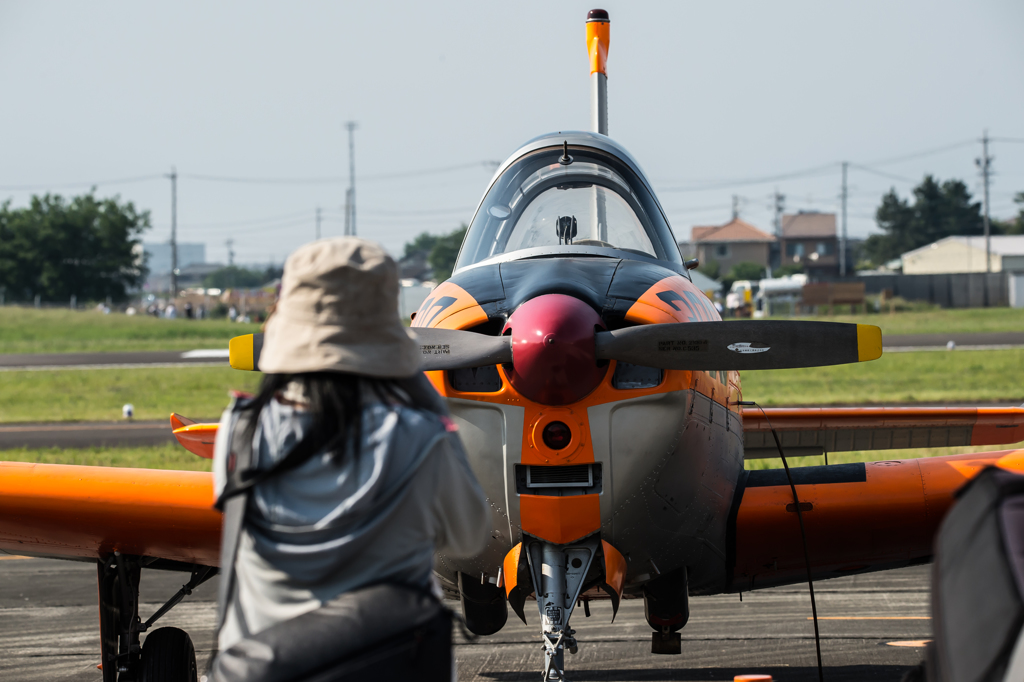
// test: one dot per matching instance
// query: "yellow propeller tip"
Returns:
(869, 342)
(240, 352)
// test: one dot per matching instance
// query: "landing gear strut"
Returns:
(124, 659)
(558, 573)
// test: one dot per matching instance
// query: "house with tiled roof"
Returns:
(809, 239)
(737, 241)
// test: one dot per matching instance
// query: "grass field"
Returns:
(937, 321)
(74, 395)
(170, 456)
(956, 377)
(27, 330)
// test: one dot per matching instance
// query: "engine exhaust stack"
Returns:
(598, 30)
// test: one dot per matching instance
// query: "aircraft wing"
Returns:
(88, 512)
(816, 430)
(859, 517)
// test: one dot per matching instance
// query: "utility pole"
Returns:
(231, 252)
(318, 222)
(842, 238)
(780, 206)
(350, 202)
(778, 249)
(985, 164)
(735, 206)
(348, 212)
(174, 231)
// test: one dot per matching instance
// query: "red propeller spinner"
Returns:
(553, 347)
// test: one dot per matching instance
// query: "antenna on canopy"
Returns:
(598, 30)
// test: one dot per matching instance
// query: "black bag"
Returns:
(978, 585)
(355, 636)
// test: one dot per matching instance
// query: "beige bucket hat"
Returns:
(338, 312)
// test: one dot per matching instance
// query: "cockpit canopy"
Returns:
(589, 203)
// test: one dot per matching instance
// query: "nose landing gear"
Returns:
(559, 572)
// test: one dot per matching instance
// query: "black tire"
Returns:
(168, 656)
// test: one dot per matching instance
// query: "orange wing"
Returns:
(859, 517)
(89, 512)
(814, 430)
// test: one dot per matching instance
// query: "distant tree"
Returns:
(445, 252)
(441, 251)
(744, 270)
(711, 269)
(1013, 225)
(423, 243)
(234, 277)
(939, 210)
(85, 247)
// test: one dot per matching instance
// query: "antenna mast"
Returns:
(598, 30)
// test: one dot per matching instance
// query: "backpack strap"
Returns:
(233, 507)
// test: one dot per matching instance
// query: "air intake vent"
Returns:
(549, 477)
(635, 376)
(575, 479)
(475, 379)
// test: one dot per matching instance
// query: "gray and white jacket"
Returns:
(324, 529)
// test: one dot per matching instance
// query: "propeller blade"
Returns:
(741, 345)
(455, 349)
(442, 349)
(244, 351)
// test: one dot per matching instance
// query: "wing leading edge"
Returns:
(816, 430)
(88, 512)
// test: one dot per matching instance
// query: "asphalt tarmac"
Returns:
(872, 628)
(85, 434)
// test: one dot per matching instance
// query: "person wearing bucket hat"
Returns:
(339, 481)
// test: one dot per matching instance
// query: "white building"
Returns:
(965, 254)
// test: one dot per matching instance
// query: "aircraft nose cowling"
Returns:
(554, 361)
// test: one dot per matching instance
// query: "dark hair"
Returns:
(335, 403)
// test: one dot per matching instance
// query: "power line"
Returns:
(918, 155)
(883, 174)
(96, 183)
(816, 170)
(335, 179)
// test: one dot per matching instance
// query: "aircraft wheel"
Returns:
(168, 656)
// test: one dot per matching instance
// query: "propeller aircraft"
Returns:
(597, 392)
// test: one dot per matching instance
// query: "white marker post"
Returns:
(598, 30)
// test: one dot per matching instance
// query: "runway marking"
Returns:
(872, 618)
(911, 643)
(915, 349)
(139, 365)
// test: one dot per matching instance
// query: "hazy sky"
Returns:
(708, 96)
